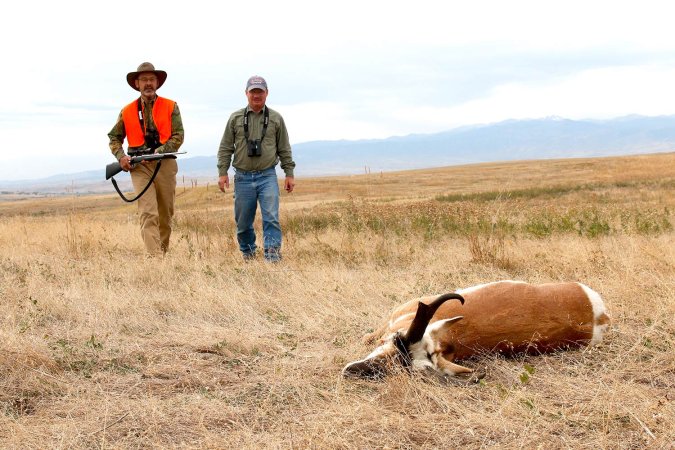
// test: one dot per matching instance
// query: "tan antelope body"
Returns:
(506, 317)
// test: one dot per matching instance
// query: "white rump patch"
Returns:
(598, 333)
(598, 310)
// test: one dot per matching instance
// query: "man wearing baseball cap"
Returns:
(151, 124)
(254, 142)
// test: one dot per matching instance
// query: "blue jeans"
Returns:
(249, 189)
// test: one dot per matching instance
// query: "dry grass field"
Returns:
(104, 348)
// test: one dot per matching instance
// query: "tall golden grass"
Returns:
(104, 348)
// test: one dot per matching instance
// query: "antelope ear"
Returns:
(441, 326)
(445, 323)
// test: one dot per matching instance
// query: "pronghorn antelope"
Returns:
(508, 317)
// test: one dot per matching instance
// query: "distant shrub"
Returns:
(649, 222)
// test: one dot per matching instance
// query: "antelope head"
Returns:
(413, 348)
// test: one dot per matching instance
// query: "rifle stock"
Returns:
(114, 168)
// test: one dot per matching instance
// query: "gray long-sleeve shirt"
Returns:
(275, 147)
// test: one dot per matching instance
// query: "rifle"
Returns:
(114, 168)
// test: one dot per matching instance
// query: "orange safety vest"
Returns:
(161, 114)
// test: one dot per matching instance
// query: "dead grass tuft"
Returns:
(490, 250)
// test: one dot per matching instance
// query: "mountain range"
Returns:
(547, 138)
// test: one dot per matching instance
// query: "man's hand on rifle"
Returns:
(125, 163)
(157, 151)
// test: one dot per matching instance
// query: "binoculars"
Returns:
(152, 140)
(151, 143)
(254, 148)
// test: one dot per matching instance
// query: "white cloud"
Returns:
(599, 93)
(357, 70)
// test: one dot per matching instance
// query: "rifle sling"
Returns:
(159, 163)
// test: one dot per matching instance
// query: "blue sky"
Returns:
(344, 70)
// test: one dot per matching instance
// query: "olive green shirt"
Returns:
(275, 147)
(118, 133)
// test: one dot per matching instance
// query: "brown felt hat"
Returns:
(146, 67)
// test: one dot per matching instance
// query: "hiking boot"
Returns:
(272, 254)
(249, 256)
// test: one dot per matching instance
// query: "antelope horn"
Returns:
(424, 315)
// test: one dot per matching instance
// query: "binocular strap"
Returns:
(266, 121)
(159, 164)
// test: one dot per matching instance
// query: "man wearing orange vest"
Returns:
(151, 124)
